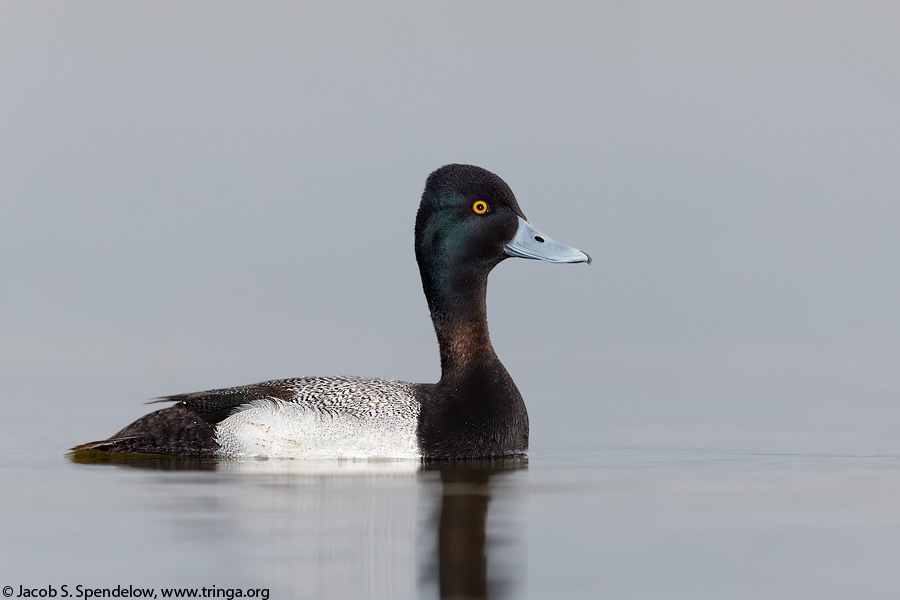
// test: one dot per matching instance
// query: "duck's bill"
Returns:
(531, 243)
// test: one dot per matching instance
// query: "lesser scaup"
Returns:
(468, 222)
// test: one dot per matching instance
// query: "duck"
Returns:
(467, 223)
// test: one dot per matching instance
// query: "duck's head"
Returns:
(469, 221)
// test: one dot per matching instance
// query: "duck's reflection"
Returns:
(357, 513)
(466, 546)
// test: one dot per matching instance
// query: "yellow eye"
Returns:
(480, 207)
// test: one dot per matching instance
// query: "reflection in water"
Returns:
(464, 547)
(345, 528)
(462, 555)
(138, 461)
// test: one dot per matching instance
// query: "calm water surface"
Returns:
(635, 522)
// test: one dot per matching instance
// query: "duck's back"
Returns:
(352, 417)
(344, 417)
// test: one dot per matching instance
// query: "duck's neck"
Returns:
(475, 409)
(458, 306)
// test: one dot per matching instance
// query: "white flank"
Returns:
(330, 423)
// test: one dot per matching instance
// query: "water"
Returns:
(636, 522)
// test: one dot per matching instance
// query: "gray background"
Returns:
(204, 194)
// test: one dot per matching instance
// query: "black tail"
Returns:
(176, 430)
